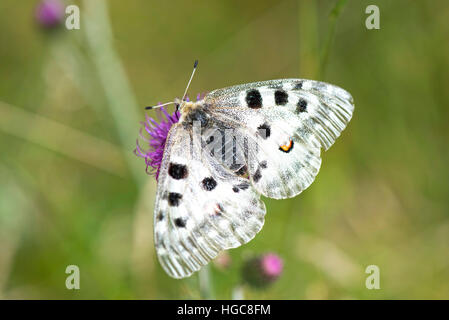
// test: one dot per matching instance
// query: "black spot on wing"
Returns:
(257, 175)
(264, 130)
(160, 216)
(180, 222)
(174, 199)
(253, 99)
(209, 184)
(301, 106)
(263, 164)
(297, 86)
(280, 97)
(177, 171)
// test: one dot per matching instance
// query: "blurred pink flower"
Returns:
(223, 261)
(49, 13)
(263, 270)
(272, 265)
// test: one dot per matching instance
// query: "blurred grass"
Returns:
(70, 192)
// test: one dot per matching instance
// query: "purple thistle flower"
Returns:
(49, 13)
(156, 142)
(263, 270)
(157, 136)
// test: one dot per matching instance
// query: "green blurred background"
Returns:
(72, 192)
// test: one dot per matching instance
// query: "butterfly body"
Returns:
(227, 150)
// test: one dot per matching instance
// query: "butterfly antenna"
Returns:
(183, 96)
(158, 106)
(190, 80)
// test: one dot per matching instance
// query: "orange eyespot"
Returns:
(287, 147)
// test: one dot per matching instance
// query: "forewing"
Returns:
(201, 208)
(286, 122)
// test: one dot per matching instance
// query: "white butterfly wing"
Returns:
(201, 208)
(286, 122)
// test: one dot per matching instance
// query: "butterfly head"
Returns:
(185, 106)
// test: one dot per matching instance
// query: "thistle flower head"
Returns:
(263, 270)
(49, 13)
(155, 143)
(157, 132)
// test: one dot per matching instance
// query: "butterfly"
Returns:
(225, 150)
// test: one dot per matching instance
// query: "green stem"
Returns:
(116, 86)
(333, 16)
(205, 284)
(308, 39)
